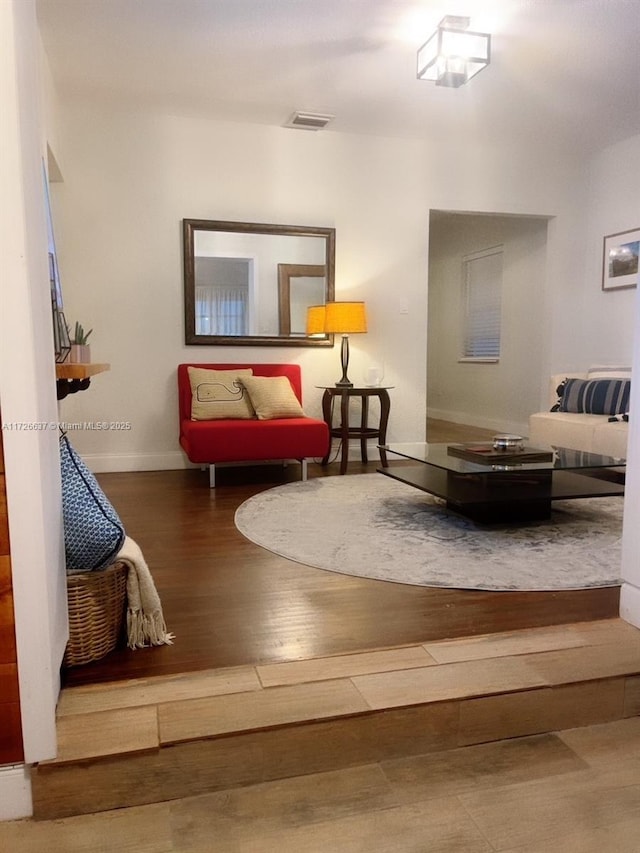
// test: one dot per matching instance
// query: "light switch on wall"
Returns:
(404, 306)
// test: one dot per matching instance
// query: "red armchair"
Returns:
(230, 440)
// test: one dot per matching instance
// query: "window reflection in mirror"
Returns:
(248, 283)
(225, 295)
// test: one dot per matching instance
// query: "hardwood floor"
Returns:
(442, 431)
(231, 603)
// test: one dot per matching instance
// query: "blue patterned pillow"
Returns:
(93, 532)
(595, 396)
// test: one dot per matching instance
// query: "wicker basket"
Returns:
(97, 602)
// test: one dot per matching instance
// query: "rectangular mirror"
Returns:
(250, 283)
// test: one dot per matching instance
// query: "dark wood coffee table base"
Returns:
(512, 496)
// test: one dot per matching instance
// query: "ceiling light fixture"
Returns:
(453, 54)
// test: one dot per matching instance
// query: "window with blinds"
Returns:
(482, 300)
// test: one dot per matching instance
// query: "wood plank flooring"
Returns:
(231, 603)
(572, 791)
(141, 714)
(132, 743)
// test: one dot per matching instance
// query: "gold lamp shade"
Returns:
(345, 318)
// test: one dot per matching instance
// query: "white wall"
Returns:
(614, 206)
(27, 396)
(130, 179)
(501, 395)
(592, 326)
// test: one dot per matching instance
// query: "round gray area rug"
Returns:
(371, 526)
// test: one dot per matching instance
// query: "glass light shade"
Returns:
(315, 320)
(453, 55)
(345, 318)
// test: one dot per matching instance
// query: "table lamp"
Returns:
(343, 318)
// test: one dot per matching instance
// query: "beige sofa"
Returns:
(591, 433)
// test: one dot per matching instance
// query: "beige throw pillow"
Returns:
(272, 397)
(217, 394)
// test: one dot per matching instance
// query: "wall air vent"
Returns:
(308, 121)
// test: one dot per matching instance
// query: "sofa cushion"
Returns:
(563, 429)
(272, 397)
(610, 439)
(210, 442)
(218, 394)
(595, 396)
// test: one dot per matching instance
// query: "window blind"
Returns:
(482, 301)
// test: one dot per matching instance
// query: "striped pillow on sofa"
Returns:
(595, 396)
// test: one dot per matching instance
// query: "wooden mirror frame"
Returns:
(287, 272)
(190, 226)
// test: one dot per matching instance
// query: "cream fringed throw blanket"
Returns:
(145, 622)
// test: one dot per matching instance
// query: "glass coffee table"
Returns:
(491, 492)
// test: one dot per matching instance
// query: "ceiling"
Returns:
(564, 72)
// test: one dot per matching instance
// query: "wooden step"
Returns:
(157, 739)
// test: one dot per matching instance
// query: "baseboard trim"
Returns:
(102, 463)
(469, 419)
(15, 792)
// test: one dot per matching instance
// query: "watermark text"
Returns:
(66, 426)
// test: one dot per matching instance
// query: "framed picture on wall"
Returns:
(620, 260)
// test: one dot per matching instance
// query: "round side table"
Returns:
(364, 432)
